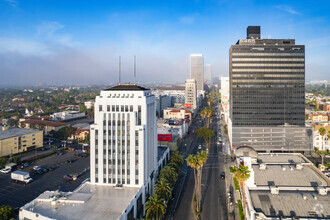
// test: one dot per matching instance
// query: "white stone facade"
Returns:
(191, 93)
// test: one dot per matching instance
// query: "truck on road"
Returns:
(21, 176)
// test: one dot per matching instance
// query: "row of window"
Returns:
(117, 108)
(269, 64)
(269, 59)
(276, 80)
(268, 70)
(268, 54)
(235, 75)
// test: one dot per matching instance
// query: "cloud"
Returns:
(23, 47)
(187, 20)
(12, 3)
(287, 9)
(49, 30)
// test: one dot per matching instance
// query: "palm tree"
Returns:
(155, 207)
(169, 174)
(322, 132)
(174, 165)
(205, 133)
(241, 173)
(163, 189)
(177, 158)
(197, 162)
(204, 115)
(209, 113)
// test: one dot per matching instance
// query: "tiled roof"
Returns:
(44, 122)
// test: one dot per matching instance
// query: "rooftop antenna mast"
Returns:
(119, 70)
(134, 70)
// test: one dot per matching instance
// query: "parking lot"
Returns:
(17, 194)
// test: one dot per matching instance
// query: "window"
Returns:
(100, 108)
(113, 108)
(108, 108)
(117, 108)
(136, 181)
(122, 108)
(126, 108)
(131, 108)
(139, 115)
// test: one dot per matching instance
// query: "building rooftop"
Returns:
(44, 122)
(281, 158)
(14, 132)
(85, 203)
(287, 175)
(127, 87)
(291, 204)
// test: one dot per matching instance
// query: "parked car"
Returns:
(199, 147)
(59, 153)
(67, 177)
(5, 170)
(45, 170)
(69, 161)
(222, 175)
(36, 168)
(38, 172)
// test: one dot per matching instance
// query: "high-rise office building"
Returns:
(197, 70)
(267, 93)
(191, 93)
(123, 137)
(207, 73)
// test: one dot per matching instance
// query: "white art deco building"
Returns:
(123, 137)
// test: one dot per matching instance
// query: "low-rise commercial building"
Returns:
(179, 114)
(67, 115)
(47, 126)
(162, 102)
(17, 140)
(324, 106)
(283, 186)
(320, 117)
(89, 104)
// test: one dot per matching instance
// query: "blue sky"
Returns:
(78, 42)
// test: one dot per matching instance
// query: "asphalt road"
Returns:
(214, 204)
(17, 194)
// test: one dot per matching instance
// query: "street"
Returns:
(214, 201)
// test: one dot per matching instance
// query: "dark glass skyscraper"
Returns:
(267, 92)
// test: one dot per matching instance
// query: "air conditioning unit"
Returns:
(262, 166)
(274, 190)
(322, 191)
(299, 166)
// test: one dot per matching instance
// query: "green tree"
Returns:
(82, 107)
(322, 132)
(6, 212)
(155, 207)
(177, 158)
(205, 133)
(175, 166)
(306, 116)
(69, 132)
(163, 189)
(169, 174)
(197, 162)
(241, 173)
(3, 161)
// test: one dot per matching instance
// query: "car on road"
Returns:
(59, 153)
(222, 175)
(38, 172)
(69, 161)
(5, 170)
(36, 168)
(67, 177)
(199, 147)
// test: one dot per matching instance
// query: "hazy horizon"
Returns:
(62, 42)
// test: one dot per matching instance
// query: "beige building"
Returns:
(191, 93)
(171, 113)
(320, 117)
(16, 140)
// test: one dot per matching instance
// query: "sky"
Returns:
(71, 42)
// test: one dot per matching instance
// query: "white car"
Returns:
(36, 168)
(199, 147)
(5, 170)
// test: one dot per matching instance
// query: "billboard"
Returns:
(187, 105)
(164, 137)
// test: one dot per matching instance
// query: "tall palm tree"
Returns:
(196, 162)
(209, 113)
(169, 174)
(174, 165)
(204, 115)
(177, 158)
(322, 132)
(241, 173)
(163, 189)
(155, 207)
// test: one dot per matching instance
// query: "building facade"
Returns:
(17, 140)
(197, 70)
(162, 102)
(267, 91)
(191, 93)
(123, 138)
